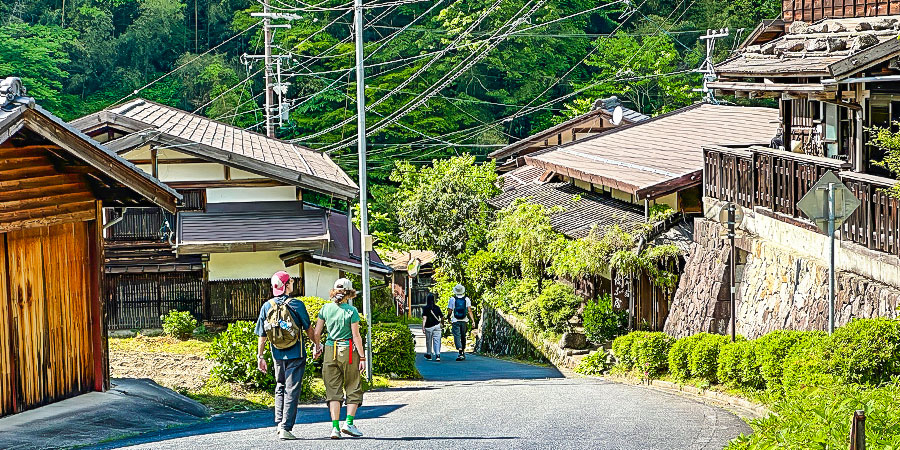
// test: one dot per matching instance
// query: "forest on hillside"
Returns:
(444, 77)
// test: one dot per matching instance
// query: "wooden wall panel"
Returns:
(7, 388)
(813, 10)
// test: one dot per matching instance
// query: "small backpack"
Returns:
(280, 328)
(459, 308)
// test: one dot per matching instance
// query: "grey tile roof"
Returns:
(520, 177)
(252, 222)
(577, 217)
(175, 122)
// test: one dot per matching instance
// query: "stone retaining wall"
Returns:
(505, 335)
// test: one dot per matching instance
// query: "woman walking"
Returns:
(432, 323)
(345, 357)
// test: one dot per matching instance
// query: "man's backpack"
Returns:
(459, 308)
(280, 328)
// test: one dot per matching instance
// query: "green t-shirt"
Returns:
(338, 318)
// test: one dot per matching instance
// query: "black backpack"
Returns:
(459, 308)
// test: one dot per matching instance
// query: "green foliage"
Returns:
(513, 296)
(660, 212)
(553, 308)
(772, 349)
(486, 270)
(313, 306)
(680, 354)
(234, 352)
(866, 351)
(38, 55)
(807, 365)
(601, 321)
(522, 235)
(888, 141)
(650, 352)
(621, 348)
(178, 324)
(739, 365)
(590, 255)
(594, 364)
(393, 350)
(703, 362)
(820, 418)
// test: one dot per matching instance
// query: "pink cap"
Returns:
(279, 282)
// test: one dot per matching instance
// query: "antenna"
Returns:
(707, 68)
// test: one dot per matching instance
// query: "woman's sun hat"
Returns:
(459, 290)
(343, 283)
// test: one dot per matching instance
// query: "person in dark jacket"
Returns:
(432, 323)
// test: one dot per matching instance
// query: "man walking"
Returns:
(282, 321)
(459, 309)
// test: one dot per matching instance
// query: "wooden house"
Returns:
(597, 120)
(617, 176)
(244, 217)
(832, 67)
(54, 182)
(409, 292)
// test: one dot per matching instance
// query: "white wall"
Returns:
(318, 280)
(224, 266)
(251, 194)
(238, 174)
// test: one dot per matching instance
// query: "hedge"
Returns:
(393, 350)
(679, 354)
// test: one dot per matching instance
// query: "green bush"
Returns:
(393, 350)
(703, 361)
(178, 324)
(731, 362)
(807, 365)
(602, 322)
(595, 364)
(819, 418)
(679, 355)
(234, 351)
(621, 348)
(650, 352)
(553, 308)
(512, 296)
(313, 306)
(773, 348)
(751, 369)
(866, 351)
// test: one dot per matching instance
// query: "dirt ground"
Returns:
(172, 370)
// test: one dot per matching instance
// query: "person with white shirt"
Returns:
(459, 310)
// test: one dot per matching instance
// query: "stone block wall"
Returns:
(505, 335)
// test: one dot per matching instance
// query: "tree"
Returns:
(888, 141)
(443, 208)
(522, 235)
(38, 55)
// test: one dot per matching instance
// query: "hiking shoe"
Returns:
(351, 430)
(461, 357)
(437, 358)
(286, 435)
(428, 356)
(335, 433)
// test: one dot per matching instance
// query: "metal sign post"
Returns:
(733, 216)
(828, 204)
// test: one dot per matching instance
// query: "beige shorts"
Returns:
(341, 377)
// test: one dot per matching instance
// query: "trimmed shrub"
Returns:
(773, 348)
(596, 363)
(703, 361)
(313, 306)
(234, 351)
(731, 362)
(393, 350)
(807, 364)
(679, 355)
(520, 294)
(650, 352)
(621, 348)
(601, 321)
(178, 324)
(866, 351)
(553, 308)
(751, 370)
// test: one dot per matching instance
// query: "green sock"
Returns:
(349, 420)
(336, 423)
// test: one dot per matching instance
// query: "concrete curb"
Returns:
(744, 408)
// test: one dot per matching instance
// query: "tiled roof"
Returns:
(577, 217)
(398, 260)
(660, 151)
(520, 177)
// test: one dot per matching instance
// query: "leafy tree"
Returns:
(37, 54)
(443, 208)
(522, 235)
(888, 141)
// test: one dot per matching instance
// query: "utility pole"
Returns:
(272, 86)
(363, 204)
(831, 229)
(707, 68)
(267, 36)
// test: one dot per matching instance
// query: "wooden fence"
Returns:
(777, 180)
(239, 299)
(138, 300)
(139, 225)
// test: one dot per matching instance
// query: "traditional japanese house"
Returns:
(54, 182)
(617, 177)
(597, 120)
(244, 217)
(409, 291)
(834, 70)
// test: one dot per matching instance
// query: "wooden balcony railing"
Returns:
(754, 176)
(139, 225)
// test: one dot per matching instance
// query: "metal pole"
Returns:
(830, 258)
(731, 233)
(267, 36)
(363, 205)
(858, 430)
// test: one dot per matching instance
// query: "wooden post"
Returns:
(207, 302)
(858, 431)
(98, 321)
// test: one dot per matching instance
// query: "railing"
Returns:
(138, 300)
(754, 176)
(139, 225)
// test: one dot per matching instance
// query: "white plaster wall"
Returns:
(251, 194)
(621, 195)
(225, 266)
(238, 174)
(583, 185)
(318, 280)
(191, 172)
(884, 268)
(138, 153)
(671, 200)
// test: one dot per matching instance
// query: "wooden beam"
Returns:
(77, 216)
(236, 247)
(869, 57)
(28, 161)
(46, 211)
(27, 172)
(250, 182)
(138, 162)
(44, 181)
(99, 345)
(58, 200)
(7, 195)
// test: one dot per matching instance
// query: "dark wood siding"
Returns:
(812, 10)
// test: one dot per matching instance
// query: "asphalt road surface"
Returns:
(483, 403)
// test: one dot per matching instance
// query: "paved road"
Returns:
(485, 403)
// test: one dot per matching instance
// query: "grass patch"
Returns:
(198, 345)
